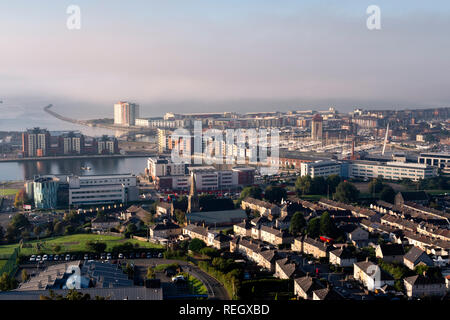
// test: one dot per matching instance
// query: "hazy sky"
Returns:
(193, 55)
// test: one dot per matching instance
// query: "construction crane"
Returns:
(385, 139)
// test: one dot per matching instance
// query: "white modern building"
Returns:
(160, 167)
(390, 170)
(323, 168)
(125, 113)
(435, 159)
(100, 189)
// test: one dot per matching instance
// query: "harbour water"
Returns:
(15, 171)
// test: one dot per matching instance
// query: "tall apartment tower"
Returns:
(35, 142)
(193, 201)
(125, 113)
(316, 127)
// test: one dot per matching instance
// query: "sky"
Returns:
(234, 55)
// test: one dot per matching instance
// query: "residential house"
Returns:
(286, 269)
(262, 207)
(326, 294)
(243, 229)
(419, 197)
(342, 257)
(416, 256)
(196, 232)
(390, 252)
(359, 237)
(164, 209)
(165, 230)
(304, 287)
(371, 275)
(218, 240)
(311, 246)
(104, 223)
(421, 285)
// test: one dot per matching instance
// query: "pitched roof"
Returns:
(342, 253)
(327, 294)
(423, 280)
(413, 254)
(392, 249)
(307, 284)
(413, 195)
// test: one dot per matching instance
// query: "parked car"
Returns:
(45, 257)
(33, 258)
(109, 256)
(149, 255)
(56, 257)
(50, 257)
(178, 278)
(120, 255)
(67, 257)
(103, 256)
(160, 255)
(143, 255)
(86, 256)
(38, 258)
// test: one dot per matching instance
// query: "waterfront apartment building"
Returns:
(41, 143)
(125, 113)
(35, 142)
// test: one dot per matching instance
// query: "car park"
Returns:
(67, 257)
(120, 255)
(45, 257)
(56, 257)
(149, 255)
(38, 258)
(33, 258)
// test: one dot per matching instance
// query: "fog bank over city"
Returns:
(203, 57)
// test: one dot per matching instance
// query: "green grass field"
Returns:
(72, 243)
(8, 192)
(2, 263)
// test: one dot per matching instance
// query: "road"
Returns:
(215, 289)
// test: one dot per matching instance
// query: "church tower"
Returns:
(193, 202)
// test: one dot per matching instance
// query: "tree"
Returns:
(58, 229)
(327, 226)
(7, 283)
(303, 185)
(196, 245)
(150, 273)
(376, 185)
(37, 231)
(313, 228)
(2, 233)
(180, 216)
(251, 191)
(95, 246)
(346, 192)
(332, 183)
(24, 275)
(210, 252)
(387, 194)
(275, 194)
(298, 223)
(131, 229)
(20, 198)
(318, 185)
(74, 295)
